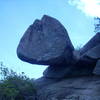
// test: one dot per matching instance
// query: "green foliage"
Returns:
(14, 86)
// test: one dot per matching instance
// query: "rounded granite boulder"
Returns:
(45, 42)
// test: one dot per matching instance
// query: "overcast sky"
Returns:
(17, 15)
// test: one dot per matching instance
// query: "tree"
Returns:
(14, 86)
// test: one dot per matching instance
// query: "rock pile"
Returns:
(46, 42)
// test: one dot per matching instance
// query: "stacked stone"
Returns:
(46, 42)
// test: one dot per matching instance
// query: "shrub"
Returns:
(14, 86)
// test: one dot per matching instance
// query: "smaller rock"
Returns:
(89, 59)
(91, 44)
(84, 66)
(58, 71)
(93, 53)
(97, 68)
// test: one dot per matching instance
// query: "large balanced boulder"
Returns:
(45, 42)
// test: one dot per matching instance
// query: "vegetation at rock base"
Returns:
(14, 86)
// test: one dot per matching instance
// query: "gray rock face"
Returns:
(76, 88)
(93, 53)
(89, 60)
(45, 42)
(82, 67)
(44, 82)
(71, 74)
(96, 70)
(58, 71)
(91, 44)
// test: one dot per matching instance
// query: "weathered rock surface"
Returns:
(84, 66)
(45, 42)
(93, 53)
(92, 57)
(76, 88)
(44, 82)
(96, 70)
(58, 71)
(91, 44)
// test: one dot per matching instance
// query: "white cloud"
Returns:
(89, 7)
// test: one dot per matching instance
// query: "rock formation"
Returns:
(46, 42)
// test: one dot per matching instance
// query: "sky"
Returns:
(17, 15)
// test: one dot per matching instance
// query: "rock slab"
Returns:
(94, 41)
(93, 53)
(76, 88)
